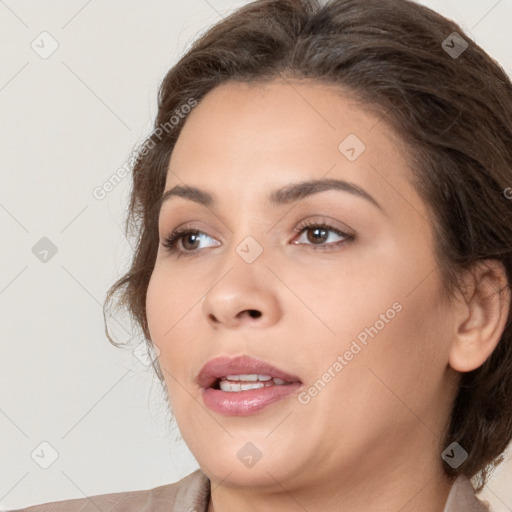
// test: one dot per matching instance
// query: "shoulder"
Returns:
(188, 494)
(462, 498)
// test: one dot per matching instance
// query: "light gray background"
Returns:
(68, 123)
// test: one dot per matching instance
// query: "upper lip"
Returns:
(219, 367)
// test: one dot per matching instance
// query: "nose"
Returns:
(245, 294)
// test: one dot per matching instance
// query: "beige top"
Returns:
(191, 494)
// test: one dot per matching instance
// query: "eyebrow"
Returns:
(279, 197)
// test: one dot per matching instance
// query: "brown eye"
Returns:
(318, 234)
(190, 238)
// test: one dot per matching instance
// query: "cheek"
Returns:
(390, 323)
(169, 300)
(173, 308)
(168, 308)
(404, 360)
(390, 379)
(157, 312)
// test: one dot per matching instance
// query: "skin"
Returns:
(371, 439)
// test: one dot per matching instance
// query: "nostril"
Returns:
(254, 314)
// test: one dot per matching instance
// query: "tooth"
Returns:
(246, 377)
(229, 386)
(254, 385)
(236, 386)
(252, 378)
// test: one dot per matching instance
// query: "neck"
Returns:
(413, 490)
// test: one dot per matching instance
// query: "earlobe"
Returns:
(482, 318)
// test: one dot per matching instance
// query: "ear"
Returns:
(481, 315)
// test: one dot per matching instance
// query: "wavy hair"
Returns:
(454, 113)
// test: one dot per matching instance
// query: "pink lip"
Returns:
(243, 403)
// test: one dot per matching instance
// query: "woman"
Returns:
(324, 261)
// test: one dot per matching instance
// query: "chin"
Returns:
(244, 460)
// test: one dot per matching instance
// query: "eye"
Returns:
(317, 233)
(189, 239)
(185, 241)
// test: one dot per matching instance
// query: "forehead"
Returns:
(248, 137)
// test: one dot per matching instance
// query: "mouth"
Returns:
(236, 383)
(243, 385)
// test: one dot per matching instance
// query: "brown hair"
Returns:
(454, 113)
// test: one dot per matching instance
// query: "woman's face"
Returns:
(352, 312)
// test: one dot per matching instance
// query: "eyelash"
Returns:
(171, 241)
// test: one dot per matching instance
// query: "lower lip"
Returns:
(243, 403)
